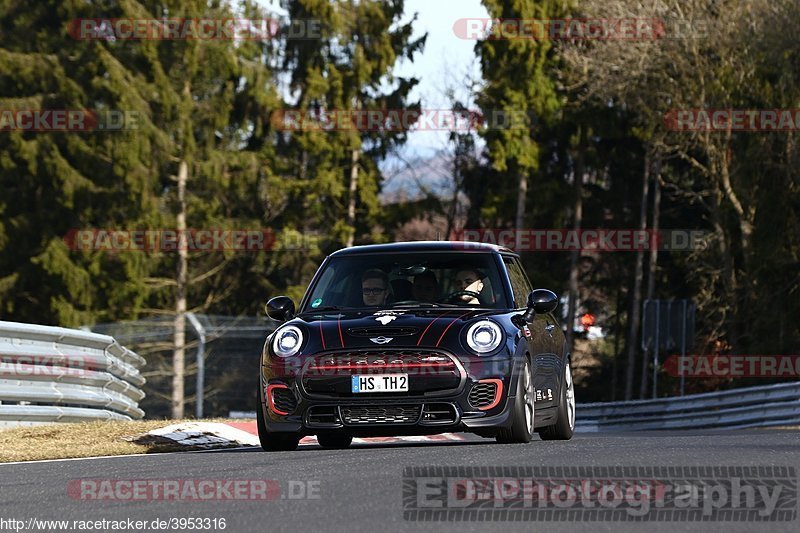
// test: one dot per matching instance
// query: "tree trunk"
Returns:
(574, 264)
(617, 336)
(179, 354)
(522, 195)
(736, 292)
(636, 300)
(452, 212)
(351, 203)
(652, 266)
(744, 216)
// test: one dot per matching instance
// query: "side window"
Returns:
(519, 282)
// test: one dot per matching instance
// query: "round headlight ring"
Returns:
(484, 336)
(287, 341)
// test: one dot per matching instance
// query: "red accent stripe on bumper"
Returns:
(271, 402)
(498, 393)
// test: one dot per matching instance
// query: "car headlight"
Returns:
(287, 341)
(484, 336)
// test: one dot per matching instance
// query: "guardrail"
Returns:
(50, 374)
(762, 406)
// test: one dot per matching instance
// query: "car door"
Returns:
(542, 340)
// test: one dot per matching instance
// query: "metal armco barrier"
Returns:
(762, 406)
(50, 374)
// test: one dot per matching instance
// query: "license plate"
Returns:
(380, 383)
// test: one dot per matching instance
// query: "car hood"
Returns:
(390, 328)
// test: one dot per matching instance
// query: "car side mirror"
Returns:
(540, 301)
(280, 308)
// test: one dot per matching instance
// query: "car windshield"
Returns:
(421, 279)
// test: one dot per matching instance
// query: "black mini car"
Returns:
(412, 339)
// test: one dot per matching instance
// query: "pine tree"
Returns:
(349, 68)
(215, 96)
(56, 182)
(519, 87)
(199, 159)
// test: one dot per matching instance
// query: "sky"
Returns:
(446, 61)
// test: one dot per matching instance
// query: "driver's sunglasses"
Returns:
(372, 292)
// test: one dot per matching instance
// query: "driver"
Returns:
(426, 287)
(374, 287)
(468, 279)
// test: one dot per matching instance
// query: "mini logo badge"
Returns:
(381, 340)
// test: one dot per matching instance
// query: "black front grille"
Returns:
(380, 414)
(323, 415)
(284, 400)
(482, 394)
(382, 361)
(429, 371)
(439, 413)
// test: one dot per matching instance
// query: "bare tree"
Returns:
(577, 219)
(702, 60)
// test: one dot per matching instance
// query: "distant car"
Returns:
(412, 339)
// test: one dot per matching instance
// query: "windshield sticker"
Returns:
(384, 317)
(316, 303)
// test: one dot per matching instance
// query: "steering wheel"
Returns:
(456, 294)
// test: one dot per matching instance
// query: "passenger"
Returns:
(426, 287)
(374, 287)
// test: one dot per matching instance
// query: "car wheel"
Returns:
(272, 441)
(336, 441)
(565, 423)
(521, 430)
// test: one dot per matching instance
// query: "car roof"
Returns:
(423, 246)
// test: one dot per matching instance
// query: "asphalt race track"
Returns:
(361, 488)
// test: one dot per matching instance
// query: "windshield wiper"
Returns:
(426, 304)
(324, 308)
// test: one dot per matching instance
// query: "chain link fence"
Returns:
(229, 348)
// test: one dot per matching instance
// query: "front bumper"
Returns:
(469, 393)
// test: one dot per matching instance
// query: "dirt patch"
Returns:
(88, 439)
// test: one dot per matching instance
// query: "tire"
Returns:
(272, 441)
(334, 441)
(565, 422)
(522, 415)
